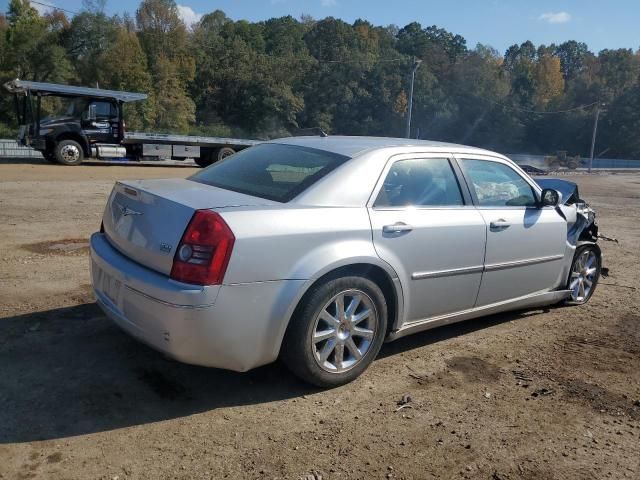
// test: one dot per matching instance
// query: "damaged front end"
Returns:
(581, 218)
(582, 234)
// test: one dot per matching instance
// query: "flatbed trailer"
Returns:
(160, 146)
(92, 126)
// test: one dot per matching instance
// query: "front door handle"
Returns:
(499, 224)
(397, 227)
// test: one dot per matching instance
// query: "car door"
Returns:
(425, 226)
(526, 244)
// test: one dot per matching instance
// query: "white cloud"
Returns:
(328, 3)
(555, 17)
(42, 10)
(188, 16)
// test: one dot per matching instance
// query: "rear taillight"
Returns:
(204, 251)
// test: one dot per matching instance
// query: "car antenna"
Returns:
(321, 132)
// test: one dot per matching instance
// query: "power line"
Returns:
(54, 7)
(540, 112)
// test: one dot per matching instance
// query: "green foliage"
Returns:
(124, 67)
(7, 131)
(622, 124)
(278, 77)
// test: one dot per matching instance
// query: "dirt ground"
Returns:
(543, 394)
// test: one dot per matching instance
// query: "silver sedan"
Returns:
(318, 249)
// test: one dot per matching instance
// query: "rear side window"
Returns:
(428, 182)
(272, 171)
(498, 185)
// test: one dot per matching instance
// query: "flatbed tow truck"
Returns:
(90, 124)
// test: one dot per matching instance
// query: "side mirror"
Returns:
(550, 198)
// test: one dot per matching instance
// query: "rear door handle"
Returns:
(397, 227)
(498, 224)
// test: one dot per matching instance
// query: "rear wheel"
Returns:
(211, 156)
(69, 152)
(223, 153)
(336, 332)
(585, 273)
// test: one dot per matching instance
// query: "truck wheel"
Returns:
(69, 152)
(223, 153)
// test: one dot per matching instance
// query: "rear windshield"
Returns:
(272, 171)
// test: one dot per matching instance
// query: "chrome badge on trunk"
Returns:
(126, 211)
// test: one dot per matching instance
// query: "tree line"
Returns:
(285, 75)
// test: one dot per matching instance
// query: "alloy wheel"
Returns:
(583, 276)
(344, 331)
(70, 153)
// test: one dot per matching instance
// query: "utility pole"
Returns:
(416, 64)
(593, 138)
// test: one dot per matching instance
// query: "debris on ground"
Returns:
(311, 476)
(404, 403)
(607, 239)
(523, 380)
(542, 392)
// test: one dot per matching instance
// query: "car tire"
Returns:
(584, 273)
(326, 348)
(69, 152)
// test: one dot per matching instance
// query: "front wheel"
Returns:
(585, 273)
(69, 152)
(336, 332)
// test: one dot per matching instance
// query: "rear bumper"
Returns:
(235, 327)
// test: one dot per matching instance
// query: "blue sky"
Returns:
(499, 23)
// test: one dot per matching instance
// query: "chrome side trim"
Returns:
(521, 263)
(527, 301)
(486, 268)
(446, 273)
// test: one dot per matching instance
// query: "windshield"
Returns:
(272, 171)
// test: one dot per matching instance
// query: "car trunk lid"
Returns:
(145, 219)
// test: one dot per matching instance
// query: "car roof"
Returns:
(352, 146)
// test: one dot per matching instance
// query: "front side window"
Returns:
(426, 182)
(104, 110)
(498, 185)
(270, 170)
